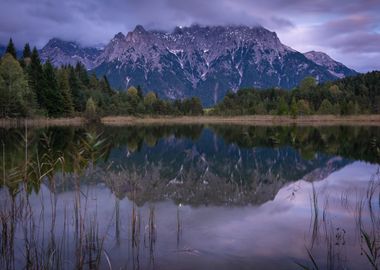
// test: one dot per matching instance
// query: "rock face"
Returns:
(65, 52)
(194, 61)
(335, 68)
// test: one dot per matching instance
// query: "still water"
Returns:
(190, 197)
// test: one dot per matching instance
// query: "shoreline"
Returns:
(258, 120)
(41, 122)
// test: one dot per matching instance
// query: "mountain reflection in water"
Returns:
(185, 197)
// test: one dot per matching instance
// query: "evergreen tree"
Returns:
(196, 106)
(11, 49)
(52, 98)
(64, 86)
(140, 92)
(77, 93)
(35, 76)
(26, 53)
(105, 86)
(82, 74)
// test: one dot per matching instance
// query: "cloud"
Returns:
(343, 28)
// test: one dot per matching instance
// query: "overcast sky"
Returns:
(348, 30)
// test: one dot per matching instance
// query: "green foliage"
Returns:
(35, 76)
(132, 91)
(293, 108)
(326, 107)
(52, 99)
(149, 100)
(282, 107)
(352, 95)
(77, 91)
(303, 107)
(15, 97)
(307, 84)
(64, 87)
(66, 91)
(91, 110)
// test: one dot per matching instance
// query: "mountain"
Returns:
(65, 52)
(203, 61)
(335, 68)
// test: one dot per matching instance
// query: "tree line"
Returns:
(352, 95)
(30, 88)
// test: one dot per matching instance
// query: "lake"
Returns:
(190, 197)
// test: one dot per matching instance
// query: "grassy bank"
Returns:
(41, 122)
(260, 120)
(319, 120)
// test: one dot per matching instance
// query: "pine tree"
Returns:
(105, 86)
(11, 49)
(76, 89)
(27, 53)
(140, 92)
(64, 87)
(82, 74)
(52, 98)
(35, 76)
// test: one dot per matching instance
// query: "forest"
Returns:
(352, 95)
(30, 88)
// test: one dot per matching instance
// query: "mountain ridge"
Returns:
(203, 61)
(334, 67)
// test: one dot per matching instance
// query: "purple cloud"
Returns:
(346, 29)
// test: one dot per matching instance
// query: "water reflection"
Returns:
(189, 197)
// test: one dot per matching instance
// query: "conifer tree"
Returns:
(82, 74)
(11, 49)
(26, 53)
(52, 98)
(35, 76)
(76, 89)
(64, 87)
(105, 86)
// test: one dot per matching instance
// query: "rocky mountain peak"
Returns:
(139, 29)
(62, 52)
(319, 57)
(203, 61)
(119, 36)
(335, 68)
